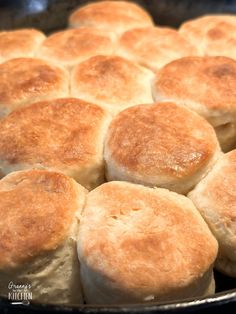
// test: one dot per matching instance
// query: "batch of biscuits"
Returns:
(117, 157)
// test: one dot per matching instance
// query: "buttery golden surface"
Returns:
(112, 82)
(206, 85)
(159, 145)
(117, 16)
(154, 47)
(19, 43)
(72, 46)
(36, 211)
(215, 197)
(61, 134)
(136, 242)
(25, 80)
(213, 35)
(207, 81)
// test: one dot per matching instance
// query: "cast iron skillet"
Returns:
(51, 15)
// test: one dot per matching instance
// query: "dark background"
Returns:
(51, 15)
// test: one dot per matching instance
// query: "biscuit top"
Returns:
(155, 46)
(75, 45)
(116, 15)
(216, 196)
(57, 133)
(28, 79)
(214, 35)
(163, 139)
(111, 80)
(139, 238)
(19, 43)
(36, 212)
(206, 81)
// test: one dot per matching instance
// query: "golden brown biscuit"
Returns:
(154, 47)
(116, 16)
(111, 82)
(39, 213)
(215, 197)
(206, 85)
(70, 47)
(213, 35)
(64, 135)
(19, 43)
(138, 244)
(163, 145)
(27, 80)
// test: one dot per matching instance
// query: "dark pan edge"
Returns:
(196, 305)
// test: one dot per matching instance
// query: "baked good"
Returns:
(69, 47)
(154, 47)
(27, 80)
(63, 135)
(39, 213)
(163, 145)
(116, 16)
(206, 85)
(19, 43)
(111, 82)
(215, 198)
(138, 244)
(213, 35)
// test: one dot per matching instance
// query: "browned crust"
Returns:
(36, 212)
(139, 241)
(24, 79)
(111, 80)
(57, 133)
(160, 139)
(19, 43)
(111, 14)
(214, 35)
(155, 46)
(208, 81)
(72, 45)
(218, 194)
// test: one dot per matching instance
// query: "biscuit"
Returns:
(163, 145)
(153, 47)
(112, 82)
(19, 43)
(64, 135)
(116, 16)
(70, 47)
(140, 245)
(206, 85)
(27, 80)
(39, 212)
(212, 35)
(215, 198)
